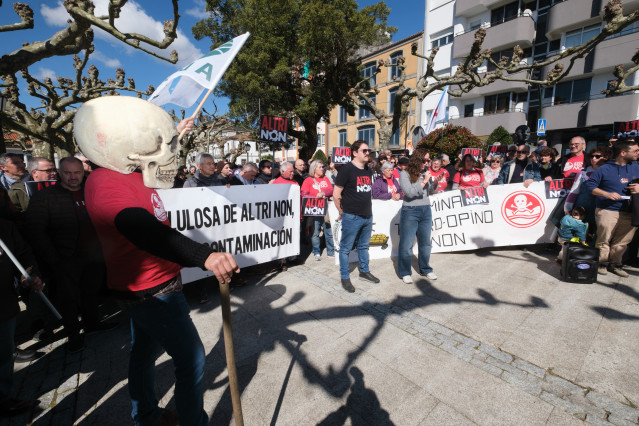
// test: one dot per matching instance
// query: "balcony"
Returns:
(484, 125)
(473, 7)
(580, 67)
(500, 86)
(608, 54)
(520, 30)
(572, 14)
(567, 116)
(615, 108)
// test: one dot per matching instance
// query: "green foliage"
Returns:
(319, 155)
(501, 135)
(285, 36)
(267, 157)
(454, 139)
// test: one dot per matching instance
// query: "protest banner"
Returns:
(498, 149)
(273, 129)
(505, 215)
(313, 207)
(625, 129)
(558, 188)
(34, 186)
(256, 223)
(475, 152)
(341, 155)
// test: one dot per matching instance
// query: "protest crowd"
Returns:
(50, 220)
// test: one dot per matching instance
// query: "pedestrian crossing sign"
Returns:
(541, 127)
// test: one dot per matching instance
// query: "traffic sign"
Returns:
(541, 127)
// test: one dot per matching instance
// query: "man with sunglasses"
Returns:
(613, 184)
(569, 165)
(40, 170)
(520, 170)
(352, 197)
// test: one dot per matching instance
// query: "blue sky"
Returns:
(146, 17)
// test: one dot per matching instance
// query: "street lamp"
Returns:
(247, 146)
(3, 101)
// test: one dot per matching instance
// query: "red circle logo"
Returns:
(158, 208)
(522, 209)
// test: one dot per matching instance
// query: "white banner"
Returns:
(500, 215)
(256, 223)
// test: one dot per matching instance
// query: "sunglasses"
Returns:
(522, 152)
(366, 151)
(495, 161)
(597, 156)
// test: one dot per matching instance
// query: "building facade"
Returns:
(343, 128)
(542, 28)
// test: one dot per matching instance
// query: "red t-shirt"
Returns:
(107, 193)
(469, 179)
(441, 187)
(311, 189)
(396, 173)
(573, 165)
(391, 186)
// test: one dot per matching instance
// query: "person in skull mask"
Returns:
(135, 143)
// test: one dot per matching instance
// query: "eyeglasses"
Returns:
(426, 160)
(522, 151)
(495, 161)
(366, 151)
(597, 156)
(47, 170)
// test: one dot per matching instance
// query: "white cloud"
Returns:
(109, 62)
(199, 10)
(133, 19)
(42, 73)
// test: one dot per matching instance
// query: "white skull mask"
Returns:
(123, 133)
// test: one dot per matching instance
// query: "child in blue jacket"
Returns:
(572, 226)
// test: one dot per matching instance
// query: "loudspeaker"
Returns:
(580, 263)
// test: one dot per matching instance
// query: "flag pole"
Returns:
(24, 272)
(197, 110)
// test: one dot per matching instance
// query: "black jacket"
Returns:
(8, 296)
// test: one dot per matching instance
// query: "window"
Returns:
(442, 41)
(582, 35)
(364, 113)
(495, 104)
(394, 71)
(342, 114)
(474, 25)
(342, 138)
(394, 140)
(469, 110)
(504, 13)
(571, 91)
(320, 140)
(369, 71)
(367, 134)
(392, 93)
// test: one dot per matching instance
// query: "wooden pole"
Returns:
(199, 107)
(225, 300)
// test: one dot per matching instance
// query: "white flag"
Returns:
(439, 113)
(184, 87)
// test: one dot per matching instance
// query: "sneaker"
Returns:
(26, 355)
(318, 257)
(348, 285)
(367, 276)
(617, 271)
(431, 276)
(407, 279)
(332, 256)
(603, 270)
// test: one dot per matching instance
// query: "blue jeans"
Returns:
(318, 222)
(415, 220)
(163, 323)
(358, 228)
(7, 348)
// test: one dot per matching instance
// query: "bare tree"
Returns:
(49, 126)
(466, 76)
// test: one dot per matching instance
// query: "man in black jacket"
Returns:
(67, 246)
(9, 309)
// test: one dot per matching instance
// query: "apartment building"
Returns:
(343, 128)
(542, 28)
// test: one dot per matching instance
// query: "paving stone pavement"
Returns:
(497, 339)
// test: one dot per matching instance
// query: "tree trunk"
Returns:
(42, 149)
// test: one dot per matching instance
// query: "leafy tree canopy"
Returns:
(319, 155)
(454, 139)
(501, 135)
(286, 35)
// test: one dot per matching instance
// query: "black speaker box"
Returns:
(580, 263)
